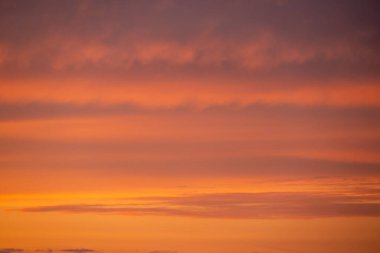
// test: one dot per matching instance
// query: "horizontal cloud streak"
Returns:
(162, 251)
(78, 250)
(202, 94)
(10, 250)
(46, 110)
(238, 205)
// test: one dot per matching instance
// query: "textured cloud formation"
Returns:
(239, 205)
(224, 35)
(206, 111)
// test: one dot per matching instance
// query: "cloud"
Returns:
(233, 53)
(294, 91)
(70, 250)
(238, 205)
(18, 110)
(162, 251)
(261, 52)
(158, 95)
(227, 36)
(10, 250)
(78, 250)
(28, 111)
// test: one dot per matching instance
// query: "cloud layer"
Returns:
(204, 126)
(240, 205)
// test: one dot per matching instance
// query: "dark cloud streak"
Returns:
(78, 250)
(10, 250)
(239, 205)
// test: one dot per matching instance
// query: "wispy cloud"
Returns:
(237, 205)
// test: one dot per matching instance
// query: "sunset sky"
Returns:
(189, 126)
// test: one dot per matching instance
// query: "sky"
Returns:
(189, 126)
